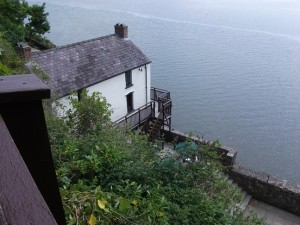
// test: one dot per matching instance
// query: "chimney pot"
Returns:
(121, 30)
(24, 50)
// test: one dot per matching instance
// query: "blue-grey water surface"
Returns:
(232, 67)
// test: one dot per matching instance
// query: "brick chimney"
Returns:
(24, 50)
(121, 30)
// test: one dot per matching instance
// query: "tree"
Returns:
(37, 17)
(12, 15)
(20, 22)
(19, 19)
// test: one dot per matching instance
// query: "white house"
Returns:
(112, 65)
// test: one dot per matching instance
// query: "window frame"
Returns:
(130, 102)
(79, 92)
(128, 79)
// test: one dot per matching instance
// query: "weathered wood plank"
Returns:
(26, 87)
(22, 111)
(21, 201)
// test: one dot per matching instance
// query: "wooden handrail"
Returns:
(19, 194)
(137, 115)
(162, 97)
(22, 111)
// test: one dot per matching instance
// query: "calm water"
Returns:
(232, 67)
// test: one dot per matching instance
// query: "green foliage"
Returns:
(19, 19)
(10, 62)
(37, 20)
(4, 70)
(12, 14)
(109, 175)
(88, 112)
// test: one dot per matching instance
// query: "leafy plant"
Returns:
(4, 69)
(19, 19)
(37, 20)
(10, 62)
(89, 111)
(109, 175)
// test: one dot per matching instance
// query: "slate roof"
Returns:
(85, 63)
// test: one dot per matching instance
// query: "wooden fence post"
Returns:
(139, 117)
(22, 112)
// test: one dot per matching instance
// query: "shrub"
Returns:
(109, 175)
(10, 61)
(88, 112)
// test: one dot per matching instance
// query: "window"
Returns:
(129, 99)
(79, 92)
(128, 79)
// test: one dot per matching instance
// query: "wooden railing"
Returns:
(138, 116)
(163, 99)
(28, 183)
(19, 194)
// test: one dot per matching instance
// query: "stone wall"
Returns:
(259, 185)
(267, 188)
(228, 154)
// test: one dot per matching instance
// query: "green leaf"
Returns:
(4, 69)
(124, 204)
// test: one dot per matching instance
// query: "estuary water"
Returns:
(233, 67)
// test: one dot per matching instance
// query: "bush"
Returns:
(88, 112)
(109, 175)
(10, 61)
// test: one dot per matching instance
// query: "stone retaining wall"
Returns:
(228, 154)
(261, 186)
(267, 188)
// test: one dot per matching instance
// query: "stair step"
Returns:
(155, 128)
(244, 193)
(245, 202)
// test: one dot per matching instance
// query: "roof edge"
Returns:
(89, 85)
(74, 44)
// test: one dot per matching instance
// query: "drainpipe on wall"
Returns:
(146, 84)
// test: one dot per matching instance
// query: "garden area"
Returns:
(110, 175)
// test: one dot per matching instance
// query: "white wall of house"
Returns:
(115, 91)
(62, 105)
